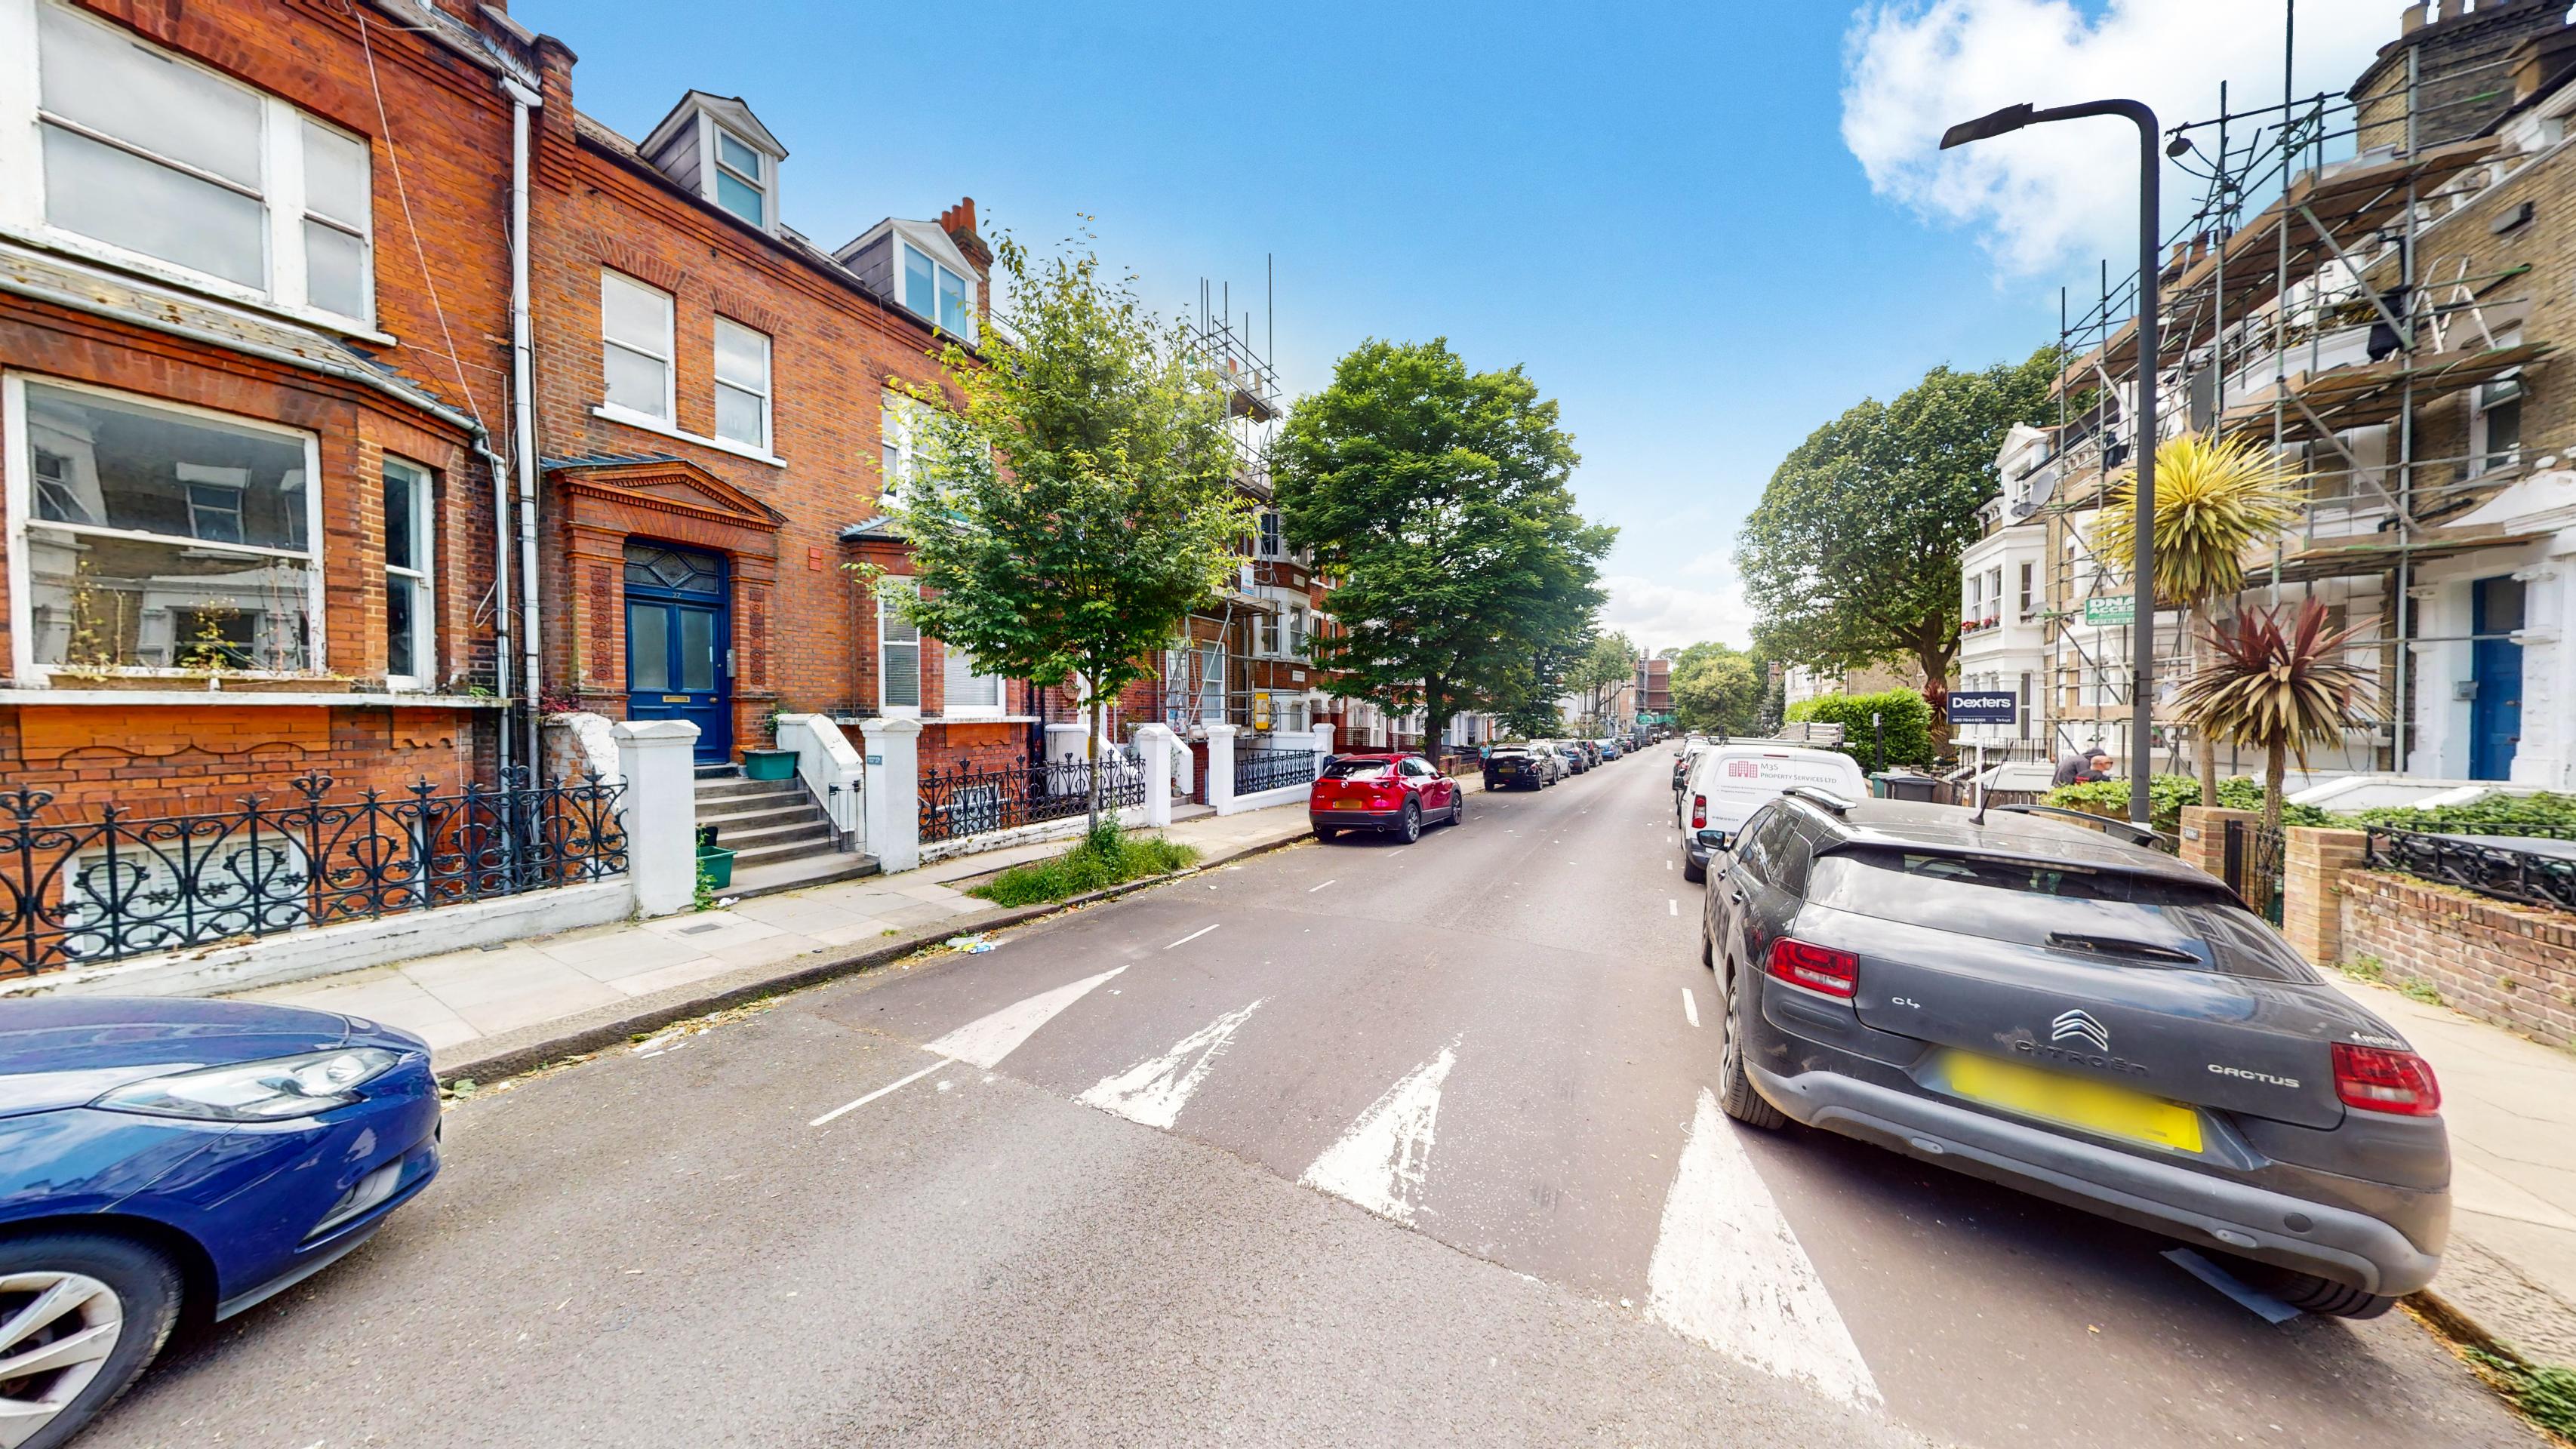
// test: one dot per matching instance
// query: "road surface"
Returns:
(1348, 1144)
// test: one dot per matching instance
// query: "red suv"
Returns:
(1382, 792)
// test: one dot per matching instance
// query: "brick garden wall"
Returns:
(2511, 965)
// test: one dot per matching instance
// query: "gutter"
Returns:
(523, 378)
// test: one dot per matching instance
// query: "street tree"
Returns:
(2278, 688)
(1852, 556)
(1608, 662)
(1718, 689)
(1438, 498)
(2215, 499)
(1074, 500)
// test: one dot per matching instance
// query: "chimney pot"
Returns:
(2453, 9)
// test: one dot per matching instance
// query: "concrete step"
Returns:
(728, 789)
(796, 874)
(727, 822)
(745, 857)
(773, 835)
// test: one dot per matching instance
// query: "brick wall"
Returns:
(2511, 965)
(2313, 864)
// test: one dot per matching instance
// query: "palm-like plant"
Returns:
(2215, 500)
(2280, 689)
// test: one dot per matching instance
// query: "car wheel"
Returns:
(1411, 828)
(1735, 1094)
(104, 1306)
(1326, 832)
(2309, 1293)
(1693, 872)
(1707, 947)
(1458, 809)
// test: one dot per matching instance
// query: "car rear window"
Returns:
(2114, 916)
(1358, 770)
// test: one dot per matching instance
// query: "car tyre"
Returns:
(1411, 826)
(1707, 947)
(1327, 833)
(1458, 809)
(1735, 1094)
(1694, 872)
(133, 1302)
(2311, 1294)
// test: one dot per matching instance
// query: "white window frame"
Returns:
(281, 192)
(17, 471)
(950, 708)
(898, 444)
(765, 392)
(1270, 540)
(886, 610)
(2482, 459)
(765, 183)
(668, 356)
(421, 574)
(966, 288)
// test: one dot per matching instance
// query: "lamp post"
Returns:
(2142, 605)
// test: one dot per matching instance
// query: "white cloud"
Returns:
(1660, 616)
(2068, 190)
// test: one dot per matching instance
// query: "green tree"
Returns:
(1610, 661)
(2279, 688)
(1718, 689)
(1080, 503)
(1852, 556)
(1439, 498)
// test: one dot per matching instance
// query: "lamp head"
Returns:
(2010, 118)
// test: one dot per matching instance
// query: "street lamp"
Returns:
(2142, 604)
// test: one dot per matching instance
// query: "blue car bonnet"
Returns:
(63, 1051)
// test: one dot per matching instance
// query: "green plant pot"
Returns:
(716, 863)
(769, 764)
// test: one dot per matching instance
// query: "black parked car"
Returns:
(2080, 1017)
(1519, 765)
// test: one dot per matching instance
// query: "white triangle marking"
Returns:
(1380, 1163)
(1156, 1089)
(1728, 1272)
(986, 1040)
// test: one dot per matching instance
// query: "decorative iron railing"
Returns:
(2251, 865)
(2530, 877)
(1256, 770)
(957, 803)
(121, 885)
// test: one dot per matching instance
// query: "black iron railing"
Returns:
(957, 803)
(2251, 865)
(2531, 877)
(1256, 770)
(124, 884)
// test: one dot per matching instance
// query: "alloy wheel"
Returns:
(1726, 1052)
(1412, 822)
(56, 1331)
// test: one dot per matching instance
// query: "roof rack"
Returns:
(2140, 834)
(1822, 799)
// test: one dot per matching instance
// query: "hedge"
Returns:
(1907, 718)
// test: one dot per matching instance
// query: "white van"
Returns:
(1729, 782)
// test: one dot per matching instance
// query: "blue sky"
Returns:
(1654, 209)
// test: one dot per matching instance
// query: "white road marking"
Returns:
(1381, 1161)
(1156, 1089)
(1728, 1273)
(1194, 935)
(879, 1092)
(1668, 865)
(986, 1040)
(1690, 1006)
(1310, 890)
(1672, 907)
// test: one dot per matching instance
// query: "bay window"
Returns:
(742, 384)
(155, 536)
(408, 657)
(167, 166)
(635, 346)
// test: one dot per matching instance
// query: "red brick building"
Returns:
(254, 311)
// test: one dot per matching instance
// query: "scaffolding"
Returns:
(2323, 325)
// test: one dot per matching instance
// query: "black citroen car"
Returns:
(2036, 1002)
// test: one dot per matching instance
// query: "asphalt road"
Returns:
(1349, 1144)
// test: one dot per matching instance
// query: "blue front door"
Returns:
(678, 643)
(2495, 666)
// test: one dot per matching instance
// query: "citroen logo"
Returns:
(2079, 1025)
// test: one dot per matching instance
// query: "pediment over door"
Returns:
(670, 498)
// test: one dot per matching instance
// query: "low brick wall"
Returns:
(2508, 964)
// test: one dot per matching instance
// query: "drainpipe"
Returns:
(523, 426)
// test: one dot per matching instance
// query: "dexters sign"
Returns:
(1990, 707)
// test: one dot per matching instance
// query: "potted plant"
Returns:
(769, 762)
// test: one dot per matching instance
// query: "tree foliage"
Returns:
(1608, 662)
(1852, 557)
(1439, 500)
(1903, 713)
(1718, 689)
(2278, 688)
(1079, 504)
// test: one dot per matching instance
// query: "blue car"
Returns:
(170, 1156)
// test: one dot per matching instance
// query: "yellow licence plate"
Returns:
(1350, 805)
(2074, 1101)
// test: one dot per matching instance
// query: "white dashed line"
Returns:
(1310, 890)
(1690, 1006)
(1672, 907)
(1194, 935)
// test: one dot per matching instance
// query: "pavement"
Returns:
(506, 1007)
(1350, 1144)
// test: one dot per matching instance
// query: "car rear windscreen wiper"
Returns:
(2121, 946)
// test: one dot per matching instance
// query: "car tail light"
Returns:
(1835, 973)
(1699, 812)
(2378, 1080)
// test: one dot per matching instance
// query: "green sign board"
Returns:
(2111, 609)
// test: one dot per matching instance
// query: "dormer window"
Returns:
(741, 185)
(934, 292)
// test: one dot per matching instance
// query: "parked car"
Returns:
(1728, 782)
(171, 1154)
(1575, 762)
(1591, 752)
(2047, 1007)
(1610, 749)
(1510, 765)
(1388, 792)
(1685, 755)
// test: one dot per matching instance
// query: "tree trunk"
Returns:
(1435, 717)
(1091, 752)
(2204, 742)
(1935, 665)
(2276, 764)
